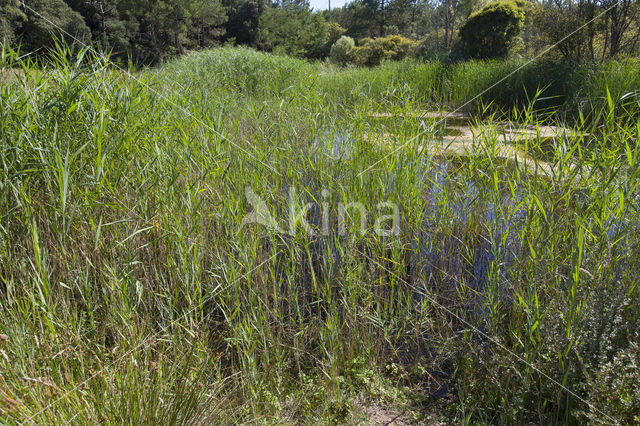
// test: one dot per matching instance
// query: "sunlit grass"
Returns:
(131, 292)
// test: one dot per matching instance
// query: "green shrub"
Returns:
(341, 49)
(489, 32)
(372, 52)
(335, 31)
(618, 383)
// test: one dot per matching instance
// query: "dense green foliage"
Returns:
(293, 30)
(151, 31)
(600, 28)
(11, 18)
(52, 17)
(133, 292)
(340, 50)
(489, 32)
(243, 18)
(146, 31)
(372, 52)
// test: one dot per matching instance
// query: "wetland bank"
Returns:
(133, 290)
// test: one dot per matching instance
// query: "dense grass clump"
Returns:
(565, 89)
(133, 290)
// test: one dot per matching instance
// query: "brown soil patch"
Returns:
(378, 414)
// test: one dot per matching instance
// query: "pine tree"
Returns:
(11, 19)
(47, 19)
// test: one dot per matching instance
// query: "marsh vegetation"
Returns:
(131, 292)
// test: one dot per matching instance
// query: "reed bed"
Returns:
(133, 291)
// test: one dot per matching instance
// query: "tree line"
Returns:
(149, 31)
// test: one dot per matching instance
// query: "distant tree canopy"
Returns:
(244, 15)
(606, 28)
(292, 29)
(148, 31)
(47, 17)
(11, 19)
(489, 32)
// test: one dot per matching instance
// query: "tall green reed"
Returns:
(123, 245)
